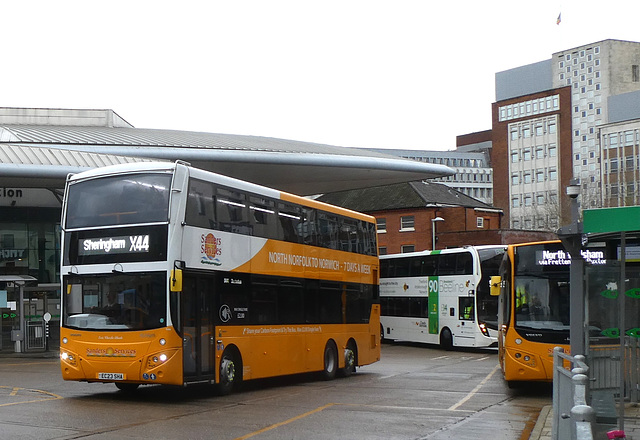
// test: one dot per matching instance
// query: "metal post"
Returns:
(621, 296)
(21, 316)
(433, 231)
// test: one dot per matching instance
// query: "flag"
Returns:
(559, 18)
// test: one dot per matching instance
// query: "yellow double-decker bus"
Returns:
(533, 309)
(175, 275)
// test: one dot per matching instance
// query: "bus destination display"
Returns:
(130, 244)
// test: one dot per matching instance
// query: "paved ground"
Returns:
(542, 429)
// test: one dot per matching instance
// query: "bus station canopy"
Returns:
(41, 154)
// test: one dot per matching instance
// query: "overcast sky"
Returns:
(394, 74)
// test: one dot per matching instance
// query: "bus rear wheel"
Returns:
(229, 372)
(330, 361)
(350, 359)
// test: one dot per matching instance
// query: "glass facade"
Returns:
(29, 247)
(30, 243)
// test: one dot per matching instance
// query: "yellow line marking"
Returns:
(14, 392)
(475, 390)
(21, 364)
(286, 422)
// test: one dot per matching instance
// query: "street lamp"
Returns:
(433, 231)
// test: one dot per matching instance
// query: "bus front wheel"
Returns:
(330, 361)
(446, 339)
(229, 372)
(127, 387)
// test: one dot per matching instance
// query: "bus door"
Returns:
(198, 336)
(466, 321)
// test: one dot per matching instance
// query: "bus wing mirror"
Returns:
(175, 283)
(496, 284)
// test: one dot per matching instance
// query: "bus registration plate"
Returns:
(111, 376)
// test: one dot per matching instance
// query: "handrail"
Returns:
(570, 387)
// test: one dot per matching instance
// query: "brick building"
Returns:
(405, 214)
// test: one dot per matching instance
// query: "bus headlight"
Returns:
(68, 358)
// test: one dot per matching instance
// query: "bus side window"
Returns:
(231, 211)
(263, 219)
(200, 205)
(290, 217)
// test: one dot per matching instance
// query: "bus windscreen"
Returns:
(117, 200)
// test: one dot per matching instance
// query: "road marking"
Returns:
(482, 359)
(15, 390)
(329, 405)
(440, 357)
(286, 422)
(475, 390)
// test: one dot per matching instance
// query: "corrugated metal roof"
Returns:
(38, 156)
(105, 136)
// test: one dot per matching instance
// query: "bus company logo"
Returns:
(210, 249)
(110, 352)
(225, 313)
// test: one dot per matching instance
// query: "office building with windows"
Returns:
(602, 80)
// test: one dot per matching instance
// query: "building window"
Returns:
(540, 199)
(628, 138)
(407, 248)
(514, 135)
(613, 165)
(526, 132)
(514, 179)
(407, 223)
(527, 200)
(480, 222)
(381, 224)
(526, 154)
(382, 250)
(526, 178)
(553, 174)
(635, 73)
(514, 157)
(539, 153)
(552, 150)
(552, 128)
(539, 176)
(515, 202)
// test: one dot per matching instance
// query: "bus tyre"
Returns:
(350, 359)
(228, 373)
(127, 387)
(330, 361)
(446, 339)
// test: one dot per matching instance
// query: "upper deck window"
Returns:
(119, 200)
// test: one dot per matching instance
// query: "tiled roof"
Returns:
(408, 195)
